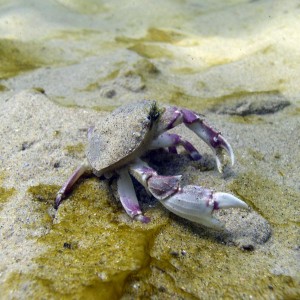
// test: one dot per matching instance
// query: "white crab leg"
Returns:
(171, 140)
(193, 203)
(128, 197)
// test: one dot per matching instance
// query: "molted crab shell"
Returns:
(122, 136)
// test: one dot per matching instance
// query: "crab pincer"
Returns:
(194, 203)
(174, 116)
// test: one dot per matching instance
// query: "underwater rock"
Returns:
(259, 103)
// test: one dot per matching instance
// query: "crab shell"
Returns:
(123, 136)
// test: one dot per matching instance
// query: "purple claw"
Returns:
(211, 137)
(174, 116)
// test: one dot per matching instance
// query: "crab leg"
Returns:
(69, 183)
(191, 202)
(159, 186)
(171, 140)
(173, 116)
(128, 197)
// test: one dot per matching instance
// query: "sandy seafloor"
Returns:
(64, 65)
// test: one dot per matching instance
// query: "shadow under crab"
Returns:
(117, 143)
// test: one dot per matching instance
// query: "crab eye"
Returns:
(154, 113)
(153, 116)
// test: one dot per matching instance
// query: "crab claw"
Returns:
(174, 116)
(210, 136)
(197, 204)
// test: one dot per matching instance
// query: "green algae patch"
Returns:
(155, 35)
(151, 51)
(75, 150)
(43, 193)
(90, 253)
(277, 203)
(5, 194)
(97, 84)
(39, 90)
(143, 68)
(180, 98)
(191, 262)
(43, 196)
(64, 102)
(177, 96)
(2, 88)
(18, 56)
(106, 108)
(75, 35)
(251, 119)
(256, 154)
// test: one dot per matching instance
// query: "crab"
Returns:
(116, 147)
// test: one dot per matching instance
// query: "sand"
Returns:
(65, 78)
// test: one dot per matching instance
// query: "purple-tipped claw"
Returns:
(174, 116)
(214, 139)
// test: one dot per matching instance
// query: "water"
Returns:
(101, 54)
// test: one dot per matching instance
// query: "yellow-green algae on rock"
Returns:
(279, 204)
(90, 253)
(94, 251)
(5, 193)
(189, 262)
